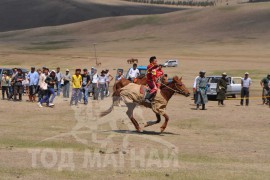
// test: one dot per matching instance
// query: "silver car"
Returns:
(233, 86)
(171, 63)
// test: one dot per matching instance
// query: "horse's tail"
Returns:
(108, 111)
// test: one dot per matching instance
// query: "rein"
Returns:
(176, 91)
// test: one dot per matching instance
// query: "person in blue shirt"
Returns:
(33, 78)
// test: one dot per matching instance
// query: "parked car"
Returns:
(171, 63)
(142, 69)
(233, 86)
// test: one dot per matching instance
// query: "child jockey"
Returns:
(150, 79)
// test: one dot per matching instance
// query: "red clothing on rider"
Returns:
(157, 73)
(150, 79)
(150, 68)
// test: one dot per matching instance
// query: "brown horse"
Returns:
(158, 105)
(123, 82)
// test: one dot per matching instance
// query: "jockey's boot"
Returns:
(148, 97)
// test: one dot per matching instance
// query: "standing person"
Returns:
(133, 73)
(26, 86)
(195, 89)
(109, 78)
(119, 76)
(5, 82)
(85, 85)
(43, 86)
(33, 78)
(52, 81)
(66, 86)
(201, 89)
(18, 86)
(245, 84)
(90, 89)
(12, 83)
(222, 89)
(59, 80)
(150, 80)
(264, 84)
(76, 86)
(95, 85)
(102, 84)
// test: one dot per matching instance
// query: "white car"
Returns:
(233, 86)
(171, 63)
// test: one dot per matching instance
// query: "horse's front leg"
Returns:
(150, 123)
(163, 127)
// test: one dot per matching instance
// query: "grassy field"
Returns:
(230, 142)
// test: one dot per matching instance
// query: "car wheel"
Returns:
(233, 96)
(212, 97)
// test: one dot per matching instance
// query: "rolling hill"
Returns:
(26, 14)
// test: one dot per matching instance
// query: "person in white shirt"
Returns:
(95, 89)
(195, 90)
(102, 84)
(133, 73)
(119, 76)
(245, 83)
(109, 78)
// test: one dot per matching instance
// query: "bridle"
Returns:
(180, 91)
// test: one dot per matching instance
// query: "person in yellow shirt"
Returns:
(76, 86)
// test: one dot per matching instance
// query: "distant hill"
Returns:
(26, 14)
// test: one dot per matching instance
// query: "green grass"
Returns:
(23, 143)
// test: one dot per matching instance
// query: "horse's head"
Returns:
(180, 87)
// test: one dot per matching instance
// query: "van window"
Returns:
(0, 71)
(142, 71)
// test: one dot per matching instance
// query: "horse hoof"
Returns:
(139, 130)
(162, 130)
(150, 123)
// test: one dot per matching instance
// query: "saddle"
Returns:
(144, 90)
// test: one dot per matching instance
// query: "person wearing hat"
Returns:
(221, 89)
(265, 82)
(85, 86)
(245, 84)
(5, 82)
(18, 85)
(33, 78)
(201, 89)
(66, 85)
(76, 86)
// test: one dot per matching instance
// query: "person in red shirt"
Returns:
(151, 79)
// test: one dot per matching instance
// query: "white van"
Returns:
(171, 63)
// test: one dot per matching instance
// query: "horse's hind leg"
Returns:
(163, 127)
(131, 107)
(150, 123)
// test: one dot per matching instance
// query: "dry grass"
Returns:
(230, 142)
